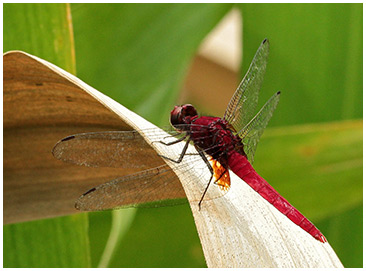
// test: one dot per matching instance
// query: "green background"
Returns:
(139, 55)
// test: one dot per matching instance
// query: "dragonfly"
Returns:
(224, 144)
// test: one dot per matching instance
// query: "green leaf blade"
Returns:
(58, 242)
(44, 30)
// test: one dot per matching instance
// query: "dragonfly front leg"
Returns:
(173, 142)
(182, 153)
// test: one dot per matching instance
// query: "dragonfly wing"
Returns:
(127, 149)
(252, 132)
(155, 187)
(242, 105)
(117, 149)
(151, 188)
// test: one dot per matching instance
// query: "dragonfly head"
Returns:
(182, 114)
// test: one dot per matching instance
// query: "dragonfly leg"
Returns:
(181, 155)
(209, 182)
(173, 142)
(222, 174)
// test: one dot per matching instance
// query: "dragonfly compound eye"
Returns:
(189, 110)
(175, 116)
(182, 115)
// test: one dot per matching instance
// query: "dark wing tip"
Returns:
(79, 203)
(89, 191)
(278, 92)
(264, 41)
(67, 138)
(55, 149)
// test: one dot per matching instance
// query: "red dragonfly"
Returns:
(222, 143)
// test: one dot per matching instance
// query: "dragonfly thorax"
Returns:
(215, 137)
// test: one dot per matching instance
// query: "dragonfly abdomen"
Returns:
(240, 165)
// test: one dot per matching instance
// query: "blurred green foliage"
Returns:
(316, 59)
(44, 30)
(139, 54)
(57, 242)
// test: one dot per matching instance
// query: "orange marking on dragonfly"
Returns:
(221, 175)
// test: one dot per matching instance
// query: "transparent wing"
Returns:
(242, 105)
(127, 149)
(252, 132)
(152, 187)
(117, 149)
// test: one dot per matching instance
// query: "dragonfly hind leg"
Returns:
(209, 182)
(222, 183)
